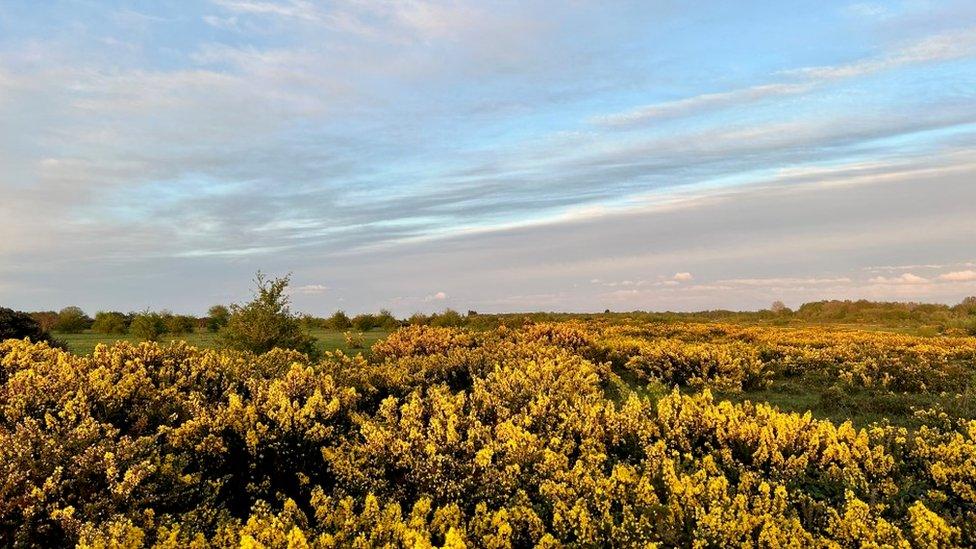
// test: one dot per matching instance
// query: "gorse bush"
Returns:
(502, 438)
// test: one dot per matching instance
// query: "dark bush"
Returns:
(18, 325)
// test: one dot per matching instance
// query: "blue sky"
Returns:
(497, 156)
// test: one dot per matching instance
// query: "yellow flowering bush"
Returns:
(545, 435)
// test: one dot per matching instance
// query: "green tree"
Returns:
(419, 319)
(386, 320)
(364, 322)
(72, 320)
(147, 326)
(449, 318)
(180, 324)
(266, 322)
(339, 321)
(109, 322)
(217, 317)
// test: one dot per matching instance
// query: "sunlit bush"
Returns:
(510, 437)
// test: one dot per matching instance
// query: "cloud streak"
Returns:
(354, 143)
(944, 47)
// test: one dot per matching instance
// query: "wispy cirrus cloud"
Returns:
(345, 141)
(948, 46)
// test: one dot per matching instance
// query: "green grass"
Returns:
(326, 340)
(861, 406)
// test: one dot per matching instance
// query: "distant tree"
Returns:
(449, 318)
(45, 319)
(472, 313)
(386, 320)
(18, 325)
(779, 307)
(217, 317)
(147, 325)
(72, 320)
(179, 324)
(419, 319)
(309, 322)
(364, 322)
(266, 322)
(967, 305)
(338, 321)
(109, 322)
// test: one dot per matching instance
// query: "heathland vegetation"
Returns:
(777, 428)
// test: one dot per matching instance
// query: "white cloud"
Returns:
(296, 8)
(940, 47)
(907, 278)
(692, 105)
(439, 296)
(311, 289)
(959, 276)
(682, 277)
(787, 281)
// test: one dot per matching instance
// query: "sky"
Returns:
(496, 156)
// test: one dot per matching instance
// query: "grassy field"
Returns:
(327, 340)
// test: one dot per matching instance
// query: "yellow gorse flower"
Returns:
(505, 438)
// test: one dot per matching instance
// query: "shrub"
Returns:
(354, 340)
(339, 321)
(386, 320)
(18, 325)
(147, 326)
(448, 319)
(109, 322)
(419, 319)
(266, 322)
(72, 320)
(217, 317)
(179, 324)
(364, 322)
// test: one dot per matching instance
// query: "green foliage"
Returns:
(419, 319)
(386, 320)
(266, 322)
(447, 319)
(109, 322)
(179, 324)
(18, 325)
(72, 320)
(147, 326)
(217, 318)
(971, 327)
(338, 321)
(364, 322)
